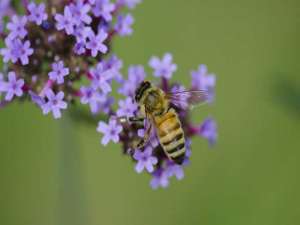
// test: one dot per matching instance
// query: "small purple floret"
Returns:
(17, 27)
(202, 80)
(163, 68)
(92, 97)
(37, 13)
(123, 25)
(101, 78)
(65, 22)
(95, 43)
(208, 130)
(13, 87)
(127, 108)
(160, 179)
(54, 104)
(104, 9)
(110, 131)
(145, 160)
(136, 74)
(58, 72)
(80, 12)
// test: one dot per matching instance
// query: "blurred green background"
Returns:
(56, 172)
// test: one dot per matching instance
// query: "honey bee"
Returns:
(157, 107)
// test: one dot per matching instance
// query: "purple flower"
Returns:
(16, 49)
(208, 130)
(111, 131)
(136, 74)
(104, 9)
(145, 160)
(80, 12)
(174, 170)
(81, 32)
(123, 25)
(129, 3)
(127, 108)
(25, 52)
(201, 80)
(13, 87)
(58, 72)
(92, 97)
(11, 52)
(54, 104)
(114, 64)
(159, 179)
(65, 22)
(101, 78)
(17, 27)
(95, 43)
(163, 68)
(37, 13)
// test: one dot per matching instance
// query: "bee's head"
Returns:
(139, 92)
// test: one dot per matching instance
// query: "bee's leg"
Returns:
(136, 119)
(139, 121)
(146, 137)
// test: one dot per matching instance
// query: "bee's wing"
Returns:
(187, 99)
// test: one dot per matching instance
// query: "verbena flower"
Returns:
(59, 53)
(110, 131)
(101, 77)
(208, 130)
(54, 104)
(136, 74)
(159, 179)
(114, 64)
(202, 80)
(58, 72)
(13, 87)
(17, 27)
(104, 9)
(66, 21)
(37, 13)
(127, 108)
(145, 160)
(95, 43)
(123, 25)
(175, 170)
(91, 96)
(81, 12)
(163, 68)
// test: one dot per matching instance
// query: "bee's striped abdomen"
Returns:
(171, 136)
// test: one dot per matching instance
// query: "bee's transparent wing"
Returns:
(188, 99)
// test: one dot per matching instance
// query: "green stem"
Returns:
(72, 200)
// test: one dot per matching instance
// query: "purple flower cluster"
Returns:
(56, 45)
(58, 54)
